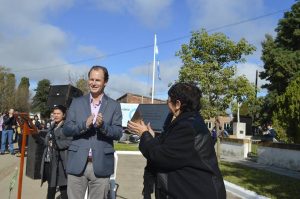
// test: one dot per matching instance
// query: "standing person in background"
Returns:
(270, 134)
(1, 125)
(183, 157)
(15, 140)
(53, 167)
(49, 121)
(19, 137)
(9, 122)
(214, 135)
(94, 121)
(36, 122)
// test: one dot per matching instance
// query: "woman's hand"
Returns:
(150, 130)
(139, 128)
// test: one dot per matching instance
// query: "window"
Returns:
(208, 124)
(227, 125)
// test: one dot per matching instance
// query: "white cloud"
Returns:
(22, 17)
(217, 13)
(28, 43)
(249, 70)
(118, 85)
(31, 47)
(153, 14)
(36, 48)
(91, 51)
(139, 80)
(168, 70)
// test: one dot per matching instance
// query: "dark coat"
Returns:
(184, 160)
(58, 157)
(9, 122)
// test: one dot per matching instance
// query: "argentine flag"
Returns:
(158, 71)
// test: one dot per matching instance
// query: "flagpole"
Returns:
(153, 69)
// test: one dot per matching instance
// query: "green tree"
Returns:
(281, 57)
(3, 73)
(39, 101)
(9, 91)
(210, 61)
(244, 92)
(244, 110)
(82, 84)
(288, 114)
(23, 95)
(7, 88)
(280, 65)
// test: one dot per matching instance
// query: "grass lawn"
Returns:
(262, 182)
(126, 147)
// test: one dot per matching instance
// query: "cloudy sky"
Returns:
(59, 39)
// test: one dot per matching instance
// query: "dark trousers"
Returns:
(16, 136)
(20, 142)
(7, 134)
(52, 190)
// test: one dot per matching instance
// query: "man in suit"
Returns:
(94, 121)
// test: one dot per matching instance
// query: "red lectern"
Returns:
(28, 128)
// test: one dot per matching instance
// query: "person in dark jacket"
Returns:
(53, 167)
(149, 171)
(183, 156)
(1, 125)
(36, 122)
(9, 124)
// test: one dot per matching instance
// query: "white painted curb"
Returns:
(241, 192)
(129, 152)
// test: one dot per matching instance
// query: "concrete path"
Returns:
(31, 188)
(129, 177)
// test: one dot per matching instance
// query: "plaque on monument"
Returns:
(153, 113)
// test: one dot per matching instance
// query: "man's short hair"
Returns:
(106, 76)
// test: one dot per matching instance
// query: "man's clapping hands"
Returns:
(98, 123)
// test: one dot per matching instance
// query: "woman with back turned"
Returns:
(183, 156)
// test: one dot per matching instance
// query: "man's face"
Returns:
(97, 82)
(11, 111)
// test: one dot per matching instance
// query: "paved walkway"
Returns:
(129, 177)
(31, 188)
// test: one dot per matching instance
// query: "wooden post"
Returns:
(26, 131)
(217, 125)
(28, 128)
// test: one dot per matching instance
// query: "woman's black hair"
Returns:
(62, 108)
(188, 94)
